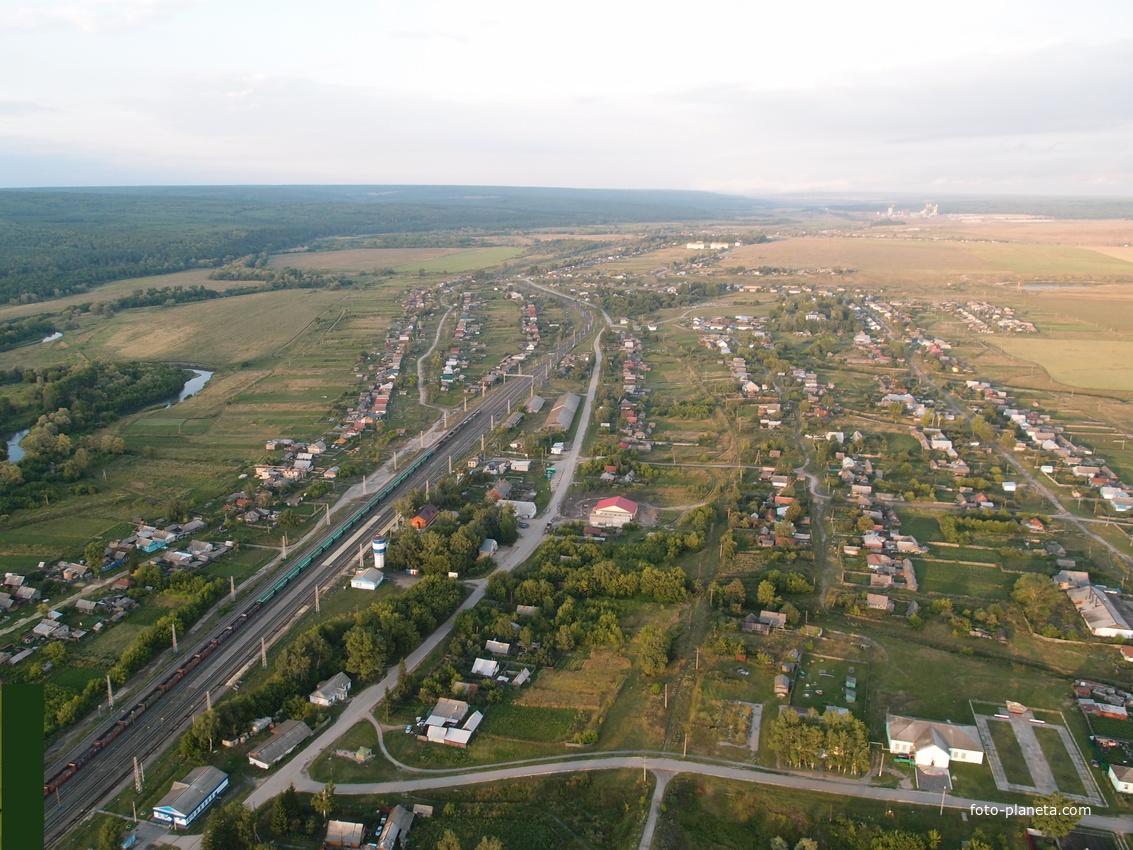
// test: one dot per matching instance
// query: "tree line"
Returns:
(362, 644)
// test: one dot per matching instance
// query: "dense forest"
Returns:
(16, 332)
(60, 242)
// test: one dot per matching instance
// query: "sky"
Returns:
(754, 98)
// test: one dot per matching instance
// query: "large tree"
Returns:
(1051, 816)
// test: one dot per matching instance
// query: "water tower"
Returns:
(379, 544)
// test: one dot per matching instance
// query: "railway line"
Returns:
(89, 776)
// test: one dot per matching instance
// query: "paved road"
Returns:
(675, 766)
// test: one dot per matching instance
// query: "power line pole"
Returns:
(263, 654)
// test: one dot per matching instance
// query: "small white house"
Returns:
(1122, 778)
(367, 579)
(485, 667)
(335, 689)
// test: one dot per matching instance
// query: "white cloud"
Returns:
(90, 16)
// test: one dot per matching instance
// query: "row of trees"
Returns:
(834, 741)
(64, 706)
(362, 644)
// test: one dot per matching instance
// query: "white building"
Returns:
(1122, 778)
(367, 579)
(933, 744)
(613, 513)
(335, 689)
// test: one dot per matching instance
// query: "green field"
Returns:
(1089, 363)
(330, 767)
(524, 723)
(1010, 753)
(462, 261)
(964, 580)
(1054, 748)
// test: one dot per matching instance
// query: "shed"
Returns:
(285, 737)
(343, 833)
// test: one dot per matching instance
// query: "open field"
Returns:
(462, 261)
(918, 259)
(1090, 363)
(360, 259)
(964, 580)
(118, 289)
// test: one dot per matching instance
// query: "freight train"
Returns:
(128, 718)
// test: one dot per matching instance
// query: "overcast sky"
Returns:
(749, 97)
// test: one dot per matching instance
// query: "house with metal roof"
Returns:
(284, 738)
(189, 797)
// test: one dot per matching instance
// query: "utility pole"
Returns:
(137, 776)
(109, 693)
(317, 609)
(395, 460)
(285, 546)
(328, 513)
(232, 587)
(450, 464)
(208, 700)
(364, 477)
(263, 654)
(174, 628)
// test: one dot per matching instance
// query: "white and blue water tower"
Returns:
(379, 544)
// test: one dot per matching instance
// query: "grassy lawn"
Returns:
(523, 723)
(331, 767)
(1010, 753)
(1054, 748)
(964, 580)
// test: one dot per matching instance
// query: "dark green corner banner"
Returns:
(21, 766)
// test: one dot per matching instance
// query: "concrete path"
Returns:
(662, 777)
(1033, 752)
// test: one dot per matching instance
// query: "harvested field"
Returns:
(360, 259)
